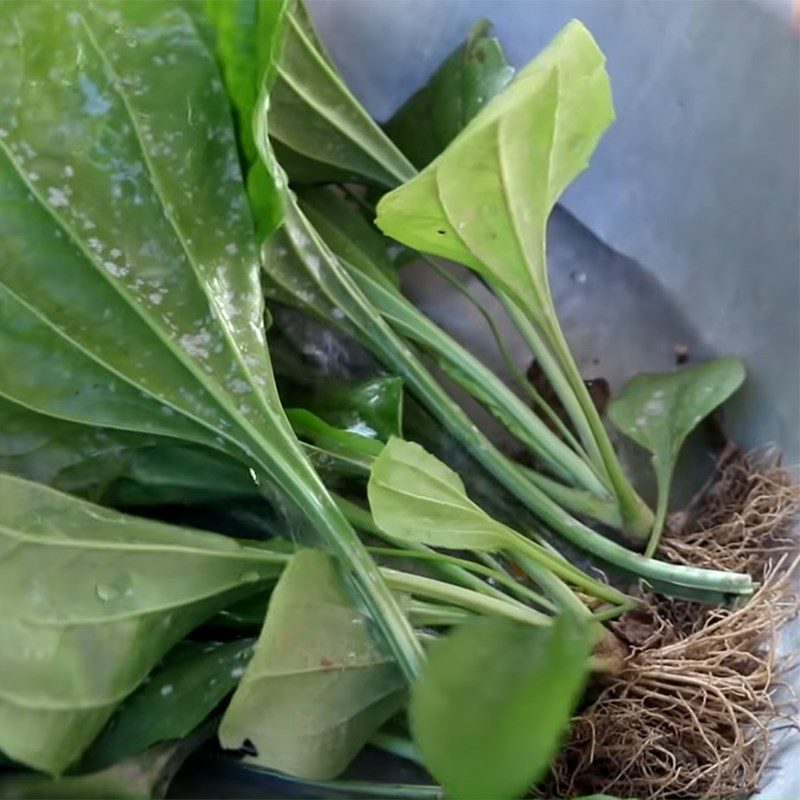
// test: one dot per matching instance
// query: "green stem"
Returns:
(477, 379)
(553, 371)
(505, 354)
(664, 482)
(636, 516)
(424, 614)
(455, 569)
(463, 564)
(561, 593)
(397, 746)
(464, 598)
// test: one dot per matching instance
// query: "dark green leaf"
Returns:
(494, 700)
(92, 600)
(374, 405)
(462, 85)
(177, 696)
(153, 321)
(320, 130)
(316, 688)
(146, 775)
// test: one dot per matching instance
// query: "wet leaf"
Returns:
(317, 688)
(154, 320)
(179, 694)
(494, 700)
(461, 86)
(92, 600)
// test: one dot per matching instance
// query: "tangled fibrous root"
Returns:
(691, 711)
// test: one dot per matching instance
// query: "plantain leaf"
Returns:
(316, 688)
(417, 498)
(658, 411)
(92, 600)
(461, 86)
(485, 201)
(494, 700)
(130, 183)
(179, 694)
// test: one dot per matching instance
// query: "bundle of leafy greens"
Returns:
(164, 167)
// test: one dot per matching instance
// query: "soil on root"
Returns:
(690, 712)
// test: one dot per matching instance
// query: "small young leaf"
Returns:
(317, 688)
(462, 85)
(658, 411)
(178, 695)
(415, 497)
(494, 700)
(92, 599)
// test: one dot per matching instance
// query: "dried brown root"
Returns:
(690, 713)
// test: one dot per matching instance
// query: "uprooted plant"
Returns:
(354, 590)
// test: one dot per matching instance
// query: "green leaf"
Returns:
(344, 443)
(153, 321)
(417, 498)
(179, 694)
(92, 600)
(321, 132)
(494, 700)
(372, 408)
(485, 201)
(658, 411)
(317, 688)
(147, 775)
(461, 86)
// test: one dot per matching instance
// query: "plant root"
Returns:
(690, 713)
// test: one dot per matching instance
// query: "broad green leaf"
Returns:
(147, 775)
(179, 694)
(461, 86)
(316, 688)
(417, 498)
(248, 40)
(92, 600)
(131, 184)
(658, 411)
(494, 700)
(485, 200)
